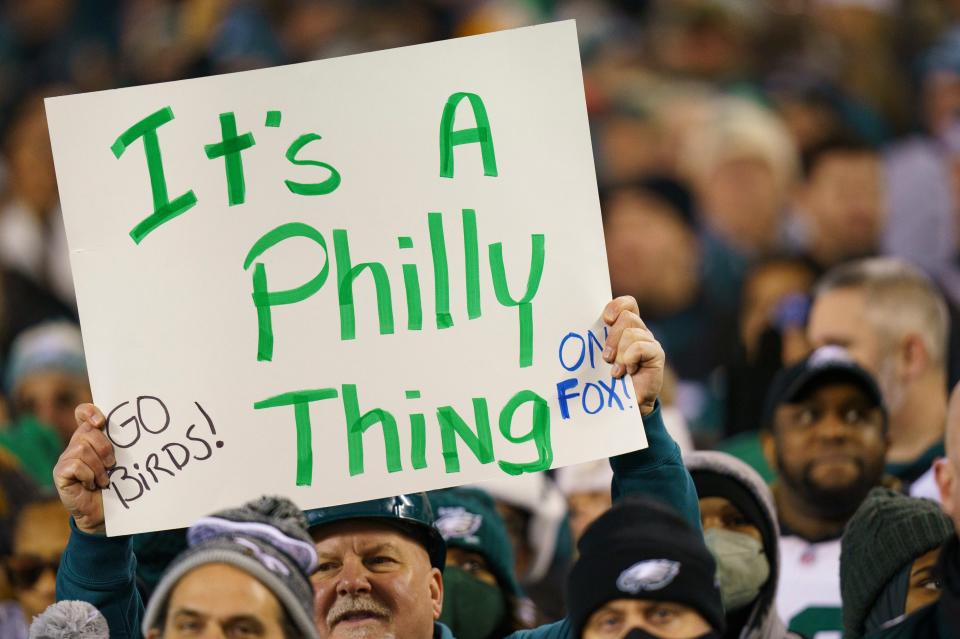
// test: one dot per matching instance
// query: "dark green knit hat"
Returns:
(887, 532)
(467, 518)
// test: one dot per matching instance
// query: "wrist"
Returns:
(648, 407)
(96, 530)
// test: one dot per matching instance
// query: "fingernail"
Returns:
(608, 353)
(96, 419)
(617, 370)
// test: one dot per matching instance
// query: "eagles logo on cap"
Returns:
(651, 574)
(457, 522)
(830, 354)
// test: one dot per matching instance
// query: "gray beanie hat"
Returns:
(268, 540)
(888, 532)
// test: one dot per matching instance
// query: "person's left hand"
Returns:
(633, 350)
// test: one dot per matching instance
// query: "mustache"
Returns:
(349, 604)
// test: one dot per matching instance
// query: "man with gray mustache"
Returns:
(380, 562)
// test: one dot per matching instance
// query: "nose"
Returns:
(831, 426)
(712, 521)
(353, 578)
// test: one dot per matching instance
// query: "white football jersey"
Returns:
(808, 596)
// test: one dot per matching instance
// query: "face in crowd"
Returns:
(839, 318)
(220, 600)
(719, 513)
(842, 317)
(374, 581)
(40, 537)
(844, 196)
(585, 507)
(652, 253)
(51, 396)
(472, 563)
(657, 619)
(46, 375)
(925, 586)
(829, 448)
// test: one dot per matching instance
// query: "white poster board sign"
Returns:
(344, 279)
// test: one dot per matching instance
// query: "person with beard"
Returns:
(825, 433)
(741, 531)
(895, 323)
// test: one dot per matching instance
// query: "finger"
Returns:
(99, 443)
(73, 471)
(90, 457)
(626, 320)
(641, 354)
(617, 305)
(625, 362)
(89, 415)
(86, 454)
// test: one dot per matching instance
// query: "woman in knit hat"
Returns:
(887, 559)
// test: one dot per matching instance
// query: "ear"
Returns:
(914, 356)
(946, 478)
(769, 444)
(436, 592)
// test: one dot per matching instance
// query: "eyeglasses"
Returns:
(25, 570)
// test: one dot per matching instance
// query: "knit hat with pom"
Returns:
(267, 539)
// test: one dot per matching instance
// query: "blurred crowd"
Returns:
(780, 192)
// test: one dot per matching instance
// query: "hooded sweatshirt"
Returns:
(760, 619)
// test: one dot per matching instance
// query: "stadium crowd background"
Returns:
(743, 150)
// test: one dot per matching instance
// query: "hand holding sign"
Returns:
(81, 472)
(235, 281)
(632, 349)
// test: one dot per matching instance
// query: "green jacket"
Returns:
(102, 571)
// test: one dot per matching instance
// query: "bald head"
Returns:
(952, 436)
(948, 470)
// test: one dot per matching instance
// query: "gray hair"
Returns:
(69, 620)
(900, 299)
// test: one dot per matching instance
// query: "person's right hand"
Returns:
(81, 472)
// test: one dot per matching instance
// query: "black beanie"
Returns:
(642, 549)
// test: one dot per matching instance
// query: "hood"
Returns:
(763, 620)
